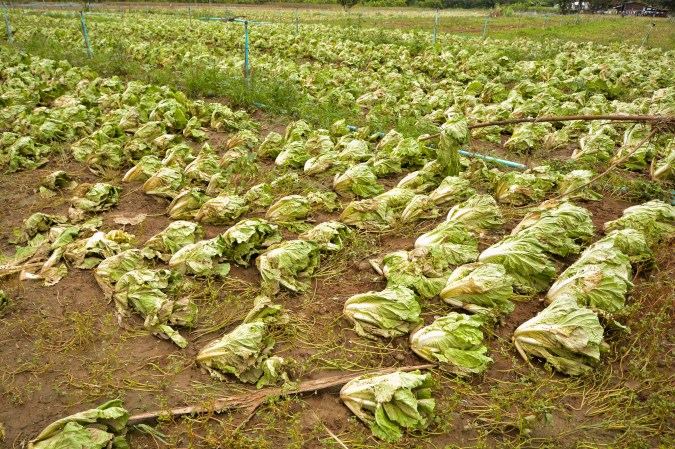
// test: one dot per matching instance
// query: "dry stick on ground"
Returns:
(668, 120)
(253, 400)
(611, 167)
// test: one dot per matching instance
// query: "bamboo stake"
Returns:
(611, 167)
(252, 400)
(670, 119)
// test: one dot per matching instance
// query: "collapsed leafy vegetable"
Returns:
(523, 188)
(222, 209)
(329, 235)
(175, 236)
(378, 212)
(287, 264)
(655, 219)
(479, 288)
(87, 253)
(420, 207)
(153, 294)
(389, 313)
(187, 204)
(248, 238)
(111, 269)
(423, 270)
(97, 428)
(243, 351)
(456, 341)
(201, 258)
(476, 213)
(567, 336)
(452, 238)
(558, 227)
(391, 403)
(99, 197)
(289, 209)
(454, 135)
(166, 182)
(524, 260)
(358, 180)
(451, 190)
(570, 186)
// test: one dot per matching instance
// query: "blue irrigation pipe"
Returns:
(493, 159)
(86, 35)
(9, 29)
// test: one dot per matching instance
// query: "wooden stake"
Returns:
(252, 400)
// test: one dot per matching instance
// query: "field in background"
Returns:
(602, 29)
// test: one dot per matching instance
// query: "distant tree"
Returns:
(565, 6)
(348, 4)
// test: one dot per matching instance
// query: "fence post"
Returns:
(86, 35)
(9, 29)
(435, 25)
(576, 22)
(487, 19)
(644, 41)
(296, 22)
(520, 14)
(246, 67)
(190, 13)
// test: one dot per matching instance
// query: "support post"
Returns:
(297, 30)
(487, 19)
(644, 41)
(9, 29)
(86, 35)
(435, 26)
(246, 66)
(520, 14)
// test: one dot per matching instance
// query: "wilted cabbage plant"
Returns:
(244, 351)
(97, 428)
(329, 235)
(287, 264)
(99, 197)
(391, 403)
(655, 219)
(477, 213)
(175, 236)
(567, 336)
(456, 341)
(222, 210)
(423, 270)
(390, 313)
(248, 238)
(479, 288)
(452, 238)
(358, 180)
(201, 258)
(154, 295)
